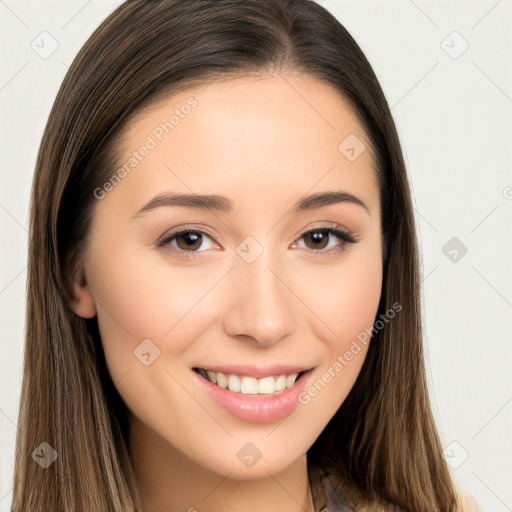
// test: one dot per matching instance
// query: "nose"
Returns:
(260, 305)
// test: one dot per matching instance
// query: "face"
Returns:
(258, 281)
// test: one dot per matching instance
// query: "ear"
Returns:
(83, 303)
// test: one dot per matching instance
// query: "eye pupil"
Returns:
(190, 238)
(318, 236)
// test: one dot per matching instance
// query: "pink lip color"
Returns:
(256, 408)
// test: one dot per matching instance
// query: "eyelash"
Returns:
(342, 235)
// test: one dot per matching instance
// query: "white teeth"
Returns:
(250, 385)
(266, 385)
(281, 383)
(290, 380)
(233, 383)
(222, 380)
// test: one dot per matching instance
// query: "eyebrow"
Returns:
(223, 204)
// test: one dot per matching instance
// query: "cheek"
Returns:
(345, 300)
(345, 296)
(352, 300)
(138, 299)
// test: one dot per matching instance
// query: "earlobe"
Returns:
(83, 303)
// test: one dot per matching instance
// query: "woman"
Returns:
(223, 295)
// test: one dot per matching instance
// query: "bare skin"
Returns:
(262, 143)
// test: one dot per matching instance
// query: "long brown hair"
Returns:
(382, 444)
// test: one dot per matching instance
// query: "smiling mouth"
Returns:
(271, 385)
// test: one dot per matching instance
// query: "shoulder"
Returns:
(468, 503)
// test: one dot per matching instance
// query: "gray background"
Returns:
(445, 69)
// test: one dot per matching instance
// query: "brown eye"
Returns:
(189, 240)
(318, 239)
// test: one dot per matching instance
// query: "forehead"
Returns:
(271, 134)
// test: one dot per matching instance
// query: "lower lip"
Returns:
(256, 408)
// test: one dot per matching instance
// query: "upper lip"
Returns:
(254, 370)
